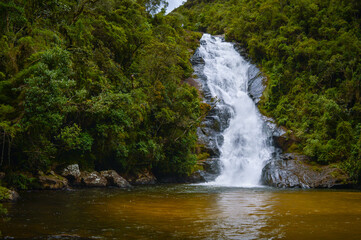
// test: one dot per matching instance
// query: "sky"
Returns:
(174, 4)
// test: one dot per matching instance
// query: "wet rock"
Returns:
(291, 170)
(197, 58)
(242, 51)
(114, 179)
(196, 177)
(93, 179)
(144, 177)
(212, 166)
(255, 83)
(52, 181)
(212, 169)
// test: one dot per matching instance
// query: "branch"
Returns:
(81, 10)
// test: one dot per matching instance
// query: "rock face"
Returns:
(93, 179)
(291, 170)
(212, 166)
(196, 177)
(212, 169)
(52, 181)
(255, 83)
(114, 179)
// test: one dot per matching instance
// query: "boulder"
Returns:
(211, 170)
(114, 179)
(212, 166)
(93, 179)
(292, 170)
(52, 181)
(73, 174)
(71, 171)
(144, 177)
(13, 196)
(7, 195)
(196, 177)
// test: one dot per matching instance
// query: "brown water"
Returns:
(186, 212)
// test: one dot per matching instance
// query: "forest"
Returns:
(101, 83)
(309, 50)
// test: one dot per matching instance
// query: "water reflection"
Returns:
(242, 214)
(186, 212)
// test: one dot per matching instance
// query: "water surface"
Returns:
(186, 212)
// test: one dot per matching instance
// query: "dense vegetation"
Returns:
(96, 82)
(310, 51)
(101, 82)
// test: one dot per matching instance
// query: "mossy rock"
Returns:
(7, 195)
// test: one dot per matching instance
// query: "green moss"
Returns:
(316, 168)
(202, 156)
(294, 148)
(336, 174)
(197, 167)
(4, 193)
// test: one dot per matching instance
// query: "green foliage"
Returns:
(310, 52)
(20, 181)
(4, 194)
(97, 82)
(72, 138)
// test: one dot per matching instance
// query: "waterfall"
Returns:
(245, 141)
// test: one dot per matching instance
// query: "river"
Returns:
(185, 212)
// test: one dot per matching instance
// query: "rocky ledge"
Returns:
(291, 170)
(144, 177)
(76, 178)
(52, 181)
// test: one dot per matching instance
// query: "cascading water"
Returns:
(246, 146)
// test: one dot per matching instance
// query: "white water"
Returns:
(245, 147)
